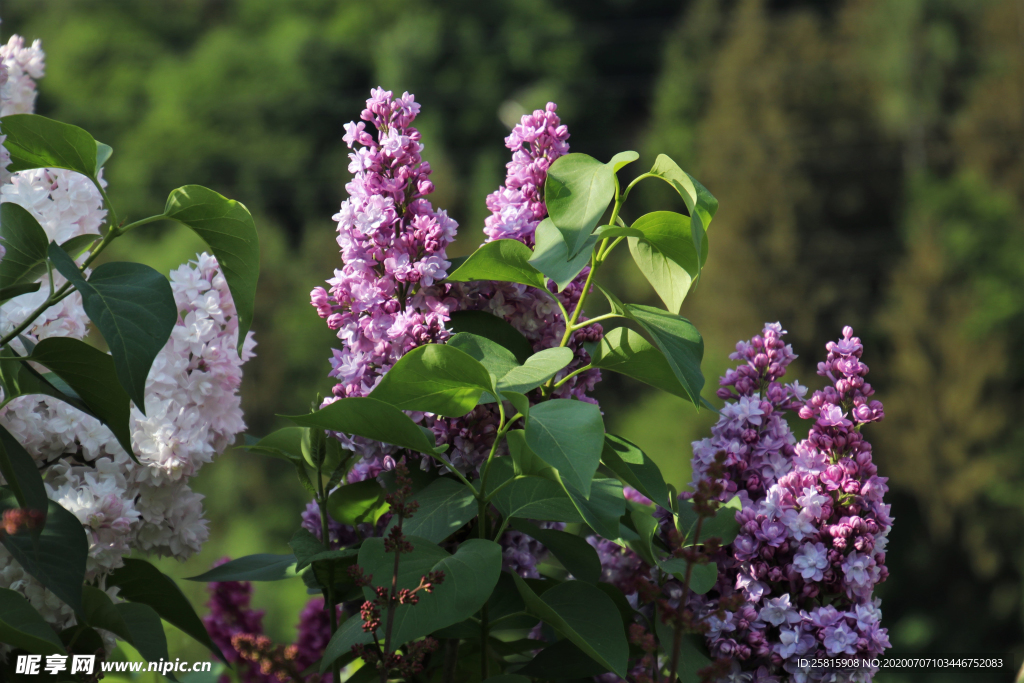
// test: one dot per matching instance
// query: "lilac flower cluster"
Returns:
(382, 302)
(232, 622)
(813, 524)
(517, 208)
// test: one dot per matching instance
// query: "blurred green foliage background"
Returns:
(868, 156)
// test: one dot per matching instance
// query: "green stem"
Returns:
(591, 321)
(142, 221)
(494, 447)
(571, 375)
(332, 614)
(500, 486)
(453, 470)
(677, 637)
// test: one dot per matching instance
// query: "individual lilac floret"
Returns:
(812, 539)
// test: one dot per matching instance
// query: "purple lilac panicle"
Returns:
(231, 616)
(812, 536)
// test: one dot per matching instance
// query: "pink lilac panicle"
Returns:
(383, 301)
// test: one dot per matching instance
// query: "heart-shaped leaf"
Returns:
(26, 244)
(435, 378)
(584, 615)
(483, 324)
(502, 261)
(373, 419)
(21, 626)
(569, 436)
(38, 142)
(577, 192)
(551, 255)
(228, 228)
(134, 309)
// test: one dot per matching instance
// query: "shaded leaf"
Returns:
(134, 309)
(141, 582)
(584, 615)
(635, 469)
(569, 436)
(370, 418)
(92, 375)
(21, 626)
(625, 351)
(25, 242)
(575, 554)
(21, 474)
(55, 555)
(483, 324)
(261, 567)
(551, 255)
(446, 505)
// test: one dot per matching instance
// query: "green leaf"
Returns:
(699, 202)
(305, 545)
(147, 631)
(519, 401)
(723, 524)
(483, 324)
(92, 375)
(469, 578)
(621, 159)
(227, 227)
(604, 507)
(284, 443)
(666, 255)
(584, 615)
(493, 356)
(354, 503)
(569, 436)
(21, 626)
(76, 246)
(349, 633)
(99, 612)
(538, 368)
(575, 554)
(434, 378)
(141, 582)
(7, 293)
(625, 351)
(551, 255)
(634, 468)
(370, 418)
(646, 527)
(26, 242)
(679, 340)
(21, 473)
(577, 192)
(56, 555)
(262, 567)
(670, 280)
(133, 306)
(533, 497)
(38, 142)
(446, 505)
(562, 659)
(103, 154)
(702, 576)
(500, 260)
(524, 459)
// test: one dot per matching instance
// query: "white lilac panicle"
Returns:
(193, 414)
